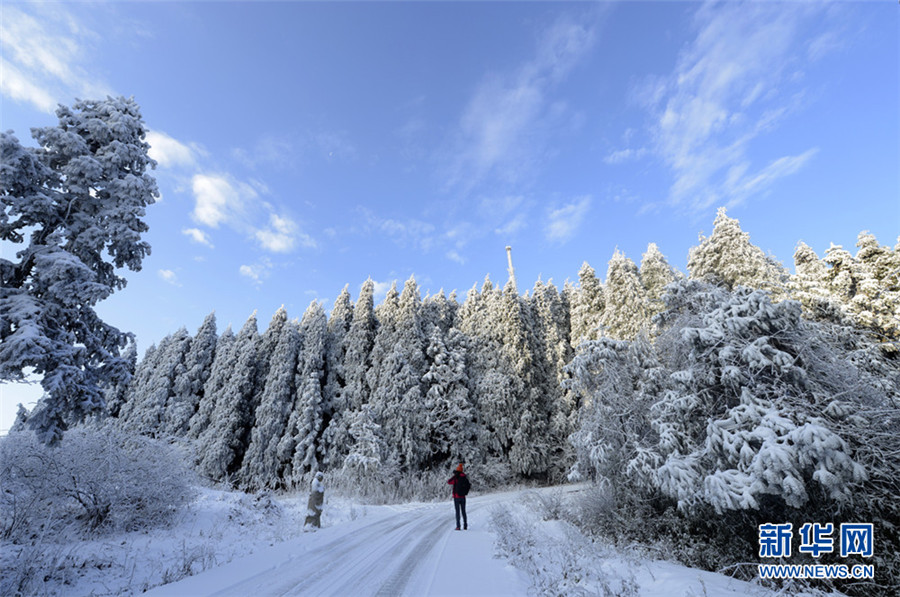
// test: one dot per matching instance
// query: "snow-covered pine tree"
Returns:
(219, 373)
(587, 305)
(807, 285)
(191, 379)
(366, 465)
(117, 394)
(145, 411)
(302, 440)
(451, 417)
(359, 341)
(867, 300)
(627, 309)
(271, 431)
(382, 362)
(728, 257)
(221, 445)
(263, 463)
(335, 355)
(553, 351)
(529, 452)
(656, 274)
(265, 349)
(878, 297)
(440, 310)
(405, 423)
(492, 382)
(76, 204)
(396, 369)
(552, 316)
(139, 381)
(615, 443)
(143, 373)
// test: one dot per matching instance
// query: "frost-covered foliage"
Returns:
(367, 463)
(95, 479)
(656, 274)
(221, 446)
(263, 463)
(301, 444)
(191, 378)
(864, 288)
(395, 378)
(335, 355)
(728, 257)
(146, 403)
(556, 556)
(742, 412)
(73, 207)
(449, 410)
(586, 306)
(553, 351)
(627, 309)
(222, 366)
(358, 344)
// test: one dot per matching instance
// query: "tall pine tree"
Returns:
(221, 446)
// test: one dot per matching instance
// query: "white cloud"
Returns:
(198, 236)
(625, 155)
(257, 272)
(408, 232)
(743, 186)
(505, 215)
(733, 82)
(168, 276)
(17, 86)
(454, 256)
(282, 235)
(220, 199)
(564, 222)
(504, 128)
(169, 152)
(512, 226)
(44, 57)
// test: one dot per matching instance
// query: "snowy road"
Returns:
(413, 551)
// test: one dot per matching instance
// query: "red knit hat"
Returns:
(459, 468)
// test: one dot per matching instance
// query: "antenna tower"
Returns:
(512, 272)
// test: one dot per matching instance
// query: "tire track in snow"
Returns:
(323, 559)
(399, 554)
(398, 581)
(371, 567)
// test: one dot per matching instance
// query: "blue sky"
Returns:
(305, 146)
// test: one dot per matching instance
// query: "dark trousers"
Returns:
(460, 505)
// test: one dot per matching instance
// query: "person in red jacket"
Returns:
(460, 489)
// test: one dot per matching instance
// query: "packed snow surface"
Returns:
(394, 550)
(413, 549)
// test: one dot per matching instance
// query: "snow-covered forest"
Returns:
(412, 384)
(736, 394)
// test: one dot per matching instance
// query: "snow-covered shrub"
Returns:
(391, 487)
(95, 479)
(557, 557)
(741, 412)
